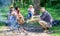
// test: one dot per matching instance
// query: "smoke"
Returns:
(5, 3)
(1, 17)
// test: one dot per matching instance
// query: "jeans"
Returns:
(29, 15)
(12, 22)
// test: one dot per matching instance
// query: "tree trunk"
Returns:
(37, 6)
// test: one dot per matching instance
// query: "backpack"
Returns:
(55, 22)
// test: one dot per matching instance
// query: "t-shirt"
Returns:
(31, 10)
(46, 16)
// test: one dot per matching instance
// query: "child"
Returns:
(30, 12)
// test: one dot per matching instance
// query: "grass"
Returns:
(54, 12)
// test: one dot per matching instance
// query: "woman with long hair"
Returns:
(19, 16)
(20, 19)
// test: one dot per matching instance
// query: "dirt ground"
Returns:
(10, 33)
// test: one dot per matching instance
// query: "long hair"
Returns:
(16, 8)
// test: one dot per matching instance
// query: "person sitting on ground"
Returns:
(45, 19)
(30, 11)
(12, 19)
(10, 11)
(7, 22)
(19, 16)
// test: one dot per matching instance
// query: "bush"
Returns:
(57, 6)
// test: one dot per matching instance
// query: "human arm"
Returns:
(43, 15)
